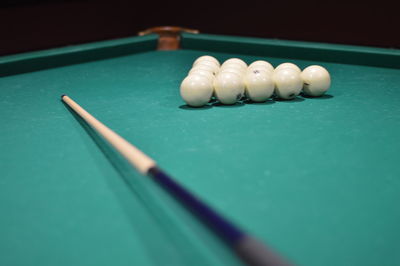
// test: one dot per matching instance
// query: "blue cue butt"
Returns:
(251, 251)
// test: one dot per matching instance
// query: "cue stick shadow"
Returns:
(143, 191)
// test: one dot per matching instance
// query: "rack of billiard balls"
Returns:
(234, 81)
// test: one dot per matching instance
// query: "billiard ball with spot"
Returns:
(261, 64)
(259, 85)
(209, 65)
(288, 83)
(229, 87)
(316, 80)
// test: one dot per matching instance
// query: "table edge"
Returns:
(74, 54)
(337, 53)
(63, 56)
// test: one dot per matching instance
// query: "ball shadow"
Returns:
(213, 100)
(323, 97)
(294, 100)
(235, 105)
(267, 102)
(187, 107)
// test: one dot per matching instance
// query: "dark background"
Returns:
(27, 25)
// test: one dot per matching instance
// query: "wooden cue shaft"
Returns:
(250, 250)
(135, 156)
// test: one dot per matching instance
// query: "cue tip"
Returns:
(62, 96)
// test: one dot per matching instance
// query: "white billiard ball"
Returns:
(260, 68)
(196, 90)
(234, 65)
(208, 64)
(202, 68)
(316, 80)
(259, 85)
(229, 87)
(288, 65)
(235, 61)
(262, 63)
(235, 68)
(202, 72)
(288, 83)
(206, 58)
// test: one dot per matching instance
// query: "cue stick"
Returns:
(250, 250)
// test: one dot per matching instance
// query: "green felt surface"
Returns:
(316, 178)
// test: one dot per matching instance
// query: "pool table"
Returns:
(316, 179)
